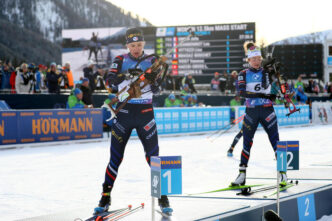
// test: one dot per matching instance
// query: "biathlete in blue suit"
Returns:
(254, 84)
(136, 114)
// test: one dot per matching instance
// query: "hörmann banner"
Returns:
(49, 125)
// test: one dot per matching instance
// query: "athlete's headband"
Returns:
(254, 51)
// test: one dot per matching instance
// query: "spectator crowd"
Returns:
(34, 79)
(55, 78)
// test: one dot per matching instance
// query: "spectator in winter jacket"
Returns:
(187, 100)
(190, 81)
(223, 81)
(194, 101)
(185, 90)
(87, 92)
(38, 77)
(299, 83)
(75, 99)
(301, 97)
(172, 101)
(88, 73)
(22, 81)
(12, 81)
(231, 85)
(5, 73)
(69, 74)
(236, 101)
(171, 83)
(52, 78)
(215, 82)
(43, 81)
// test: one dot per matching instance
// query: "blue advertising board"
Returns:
(297, 118)
(187, 120)
(8, 127)
(50, 125)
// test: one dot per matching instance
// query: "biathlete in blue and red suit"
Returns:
(136, 114)
(254, 84)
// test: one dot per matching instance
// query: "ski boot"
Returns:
(241, 178)
(230, 151)
(105, 200)
(104, 204)
(164, 205)
(283, 179)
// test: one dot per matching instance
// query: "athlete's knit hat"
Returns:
(134, 35)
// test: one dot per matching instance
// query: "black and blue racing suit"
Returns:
(254, 85)
(136, 114)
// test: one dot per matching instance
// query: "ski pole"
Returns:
(233, 123)
(127, 213)
(116, 213)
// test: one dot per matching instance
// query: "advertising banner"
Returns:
(50, 125)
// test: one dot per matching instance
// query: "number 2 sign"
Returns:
(306, 208)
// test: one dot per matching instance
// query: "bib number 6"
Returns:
(257, 87)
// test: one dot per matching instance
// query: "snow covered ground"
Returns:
(36, 181)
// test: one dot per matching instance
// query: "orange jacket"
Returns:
(70, 78)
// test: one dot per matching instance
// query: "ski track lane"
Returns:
(42, 180)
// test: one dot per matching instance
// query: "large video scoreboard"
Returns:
(305, 60)
(214, 48)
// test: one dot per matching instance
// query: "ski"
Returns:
(248, 192)
(107, 215)
(126, 213)
(102, 215)
(228, 188)
(282, 189)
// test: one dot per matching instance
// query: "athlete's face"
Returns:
(136, 48)
(255, 62)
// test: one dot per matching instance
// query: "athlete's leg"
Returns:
(249, 127)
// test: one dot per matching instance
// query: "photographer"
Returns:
(22, 80)
(88, 73)
(63, 79)
(99, 77)
(52, 78)
(35, 78)
(87, 92)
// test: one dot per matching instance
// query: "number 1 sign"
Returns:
(282, 156)
(166, 175)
